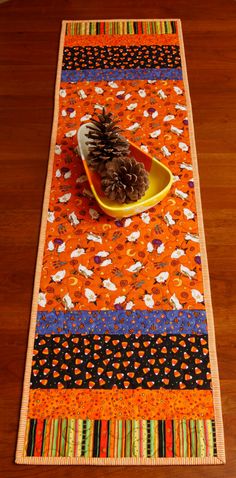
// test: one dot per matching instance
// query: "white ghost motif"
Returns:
(105, 263)
(175, 302)
(82, 94)
(133, 236)
(112, 84)
(186, 166)
(102, 254)
(58, 276)
(58, 149)
(94, 237)
(145, 217)
(67, 175)
(109, 285)
(142, 93)
(180, 194)
(77, 252)
(183, 146)
(65, 198)
(62, 247)
(127, 222)
(187, 272)
(161, 248)
(155, 133)
(169, 219)
(178, 90)
(188, 214)
(144, 148)
(150, 247)
(176, 130)
(93, 213)
(62, 93)
(165, 151)
(50, 246)
(149, 302)
(120, 299)
(197, 296)
(162, 277)
(177, 253)
(84, 271)
(161, 94)
(133, 127)
(135, 267)
(73, 219)
(129, 305)
(98, 90)
(51, 216)
(90, 295)
(180, 107)
(42, 301)
(169, 118)
(132, 106)
(71, 133)
(67, 302)
(191, 237)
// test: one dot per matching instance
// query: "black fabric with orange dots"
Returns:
(124, 57)
(121, 361)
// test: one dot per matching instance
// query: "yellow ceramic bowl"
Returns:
(160, 181)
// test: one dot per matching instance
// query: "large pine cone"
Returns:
(105, 141)
(125, 180)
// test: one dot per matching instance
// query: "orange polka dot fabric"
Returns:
(122, 361)
(104, 39)
(116, 404)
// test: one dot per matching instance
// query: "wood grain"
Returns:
(29, 38)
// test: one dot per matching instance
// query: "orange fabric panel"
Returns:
(115, 240)
(121, 404)
(101, 40)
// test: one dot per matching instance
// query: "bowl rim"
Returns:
(135, 204)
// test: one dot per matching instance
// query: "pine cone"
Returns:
(105, 141)
(125, 180)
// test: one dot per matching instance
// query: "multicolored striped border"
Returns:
(121, 27)
(24, 423)
(120, 438)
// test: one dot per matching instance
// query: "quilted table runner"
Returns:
(121, 365)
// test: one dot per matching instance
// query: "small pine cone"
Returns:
(105, 141)
(125, 180)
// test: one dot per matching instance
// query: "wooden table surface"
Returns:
(29, 36)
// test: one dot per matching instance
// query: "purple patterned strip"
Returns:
(73, 76)
(122, 322)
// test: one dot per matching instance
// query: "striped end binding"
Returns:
(121, 27)
(64, 437)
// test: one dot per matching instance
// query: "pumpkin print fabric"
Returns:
(120, 363)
